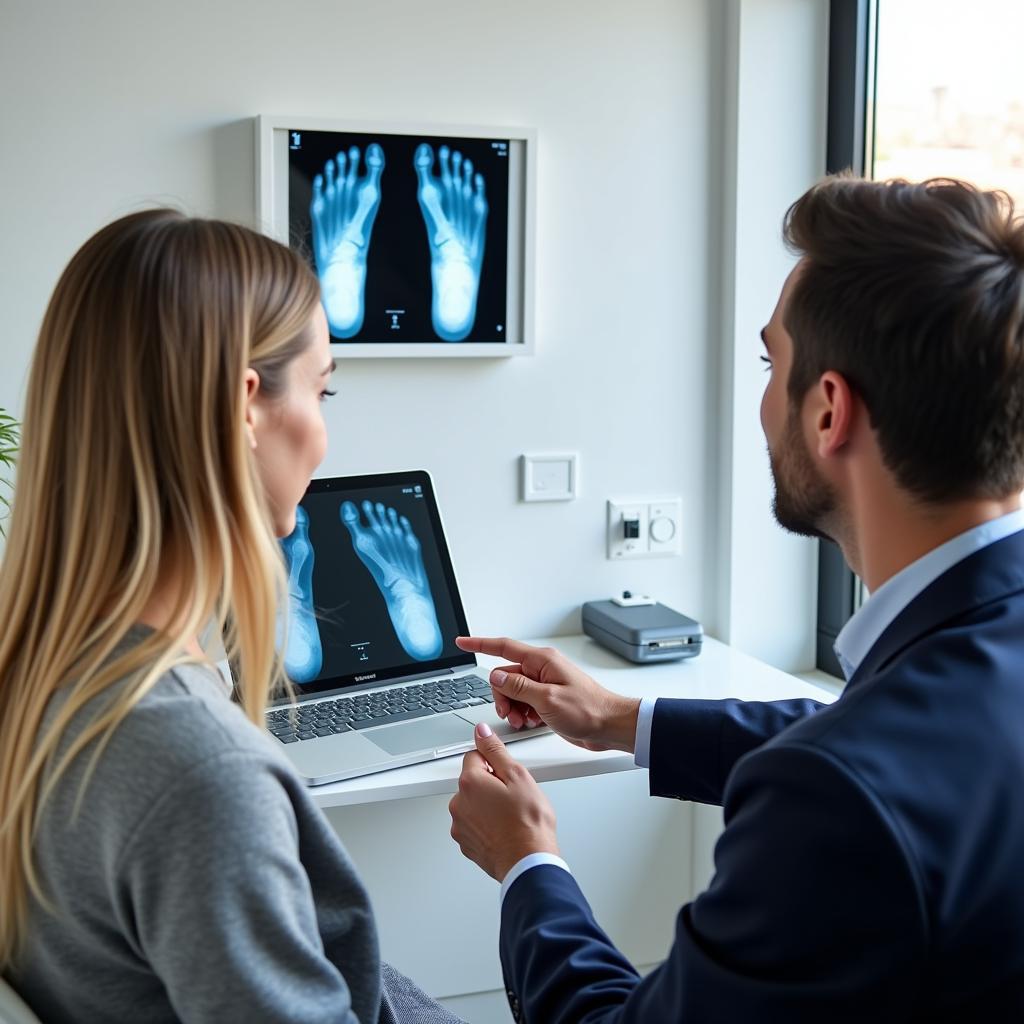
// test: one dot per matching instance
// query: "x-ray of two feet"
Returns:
(454, 209)
(390, 550)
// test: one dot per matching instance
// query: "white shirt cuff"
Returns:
(644, 724)
(531, 860)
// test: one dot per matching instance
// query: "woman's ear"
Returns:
(251, 383)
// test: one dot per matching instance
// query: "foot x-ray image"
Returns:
(303, 653)
(390, 550)
(342, 212)
(455, 213)
(360, 594)
(408, 236)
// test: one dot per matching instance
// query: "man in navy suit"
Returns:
(872, 863)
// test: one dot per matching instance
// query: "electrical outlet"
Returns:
(645, 528)
(627, 529)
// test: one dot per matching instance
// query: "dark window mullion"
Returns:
(850, 121)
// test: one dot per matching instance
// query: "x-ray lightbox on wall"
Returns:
(421, 237)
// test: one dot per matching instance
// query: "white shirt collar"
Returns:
(859, 635)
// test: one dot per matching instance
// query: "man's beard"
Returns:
(804, 503)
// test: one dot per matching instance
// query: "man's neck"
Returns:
(892, 531)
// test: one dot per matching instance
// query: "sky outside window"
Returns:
(949, 98)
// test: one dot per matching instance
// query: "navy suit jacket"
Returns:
(872, 863)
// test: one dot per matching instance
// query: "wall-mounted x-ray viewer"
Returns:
(421, 237)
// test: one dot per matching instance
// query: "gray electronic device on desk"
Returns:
(641, 629)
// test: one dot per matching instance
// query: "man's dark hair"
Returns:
(915, 294)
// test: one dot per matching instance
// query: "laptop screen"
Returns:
(371, 591)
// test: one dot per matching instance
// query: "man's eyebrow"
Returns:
(329, 368)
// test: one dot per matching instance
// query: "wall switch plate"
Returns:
(658, 528)
(665, 527)
(549, 477)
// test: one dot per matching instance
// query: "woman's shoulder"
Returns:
(187, 723)
(183, 756)
(184, 729)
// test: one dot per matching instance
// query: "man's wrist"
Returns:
(508, 862)
(620, 725)
(528, 863)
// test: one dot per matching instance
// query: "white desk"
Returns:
(717, 672)
(637, 859)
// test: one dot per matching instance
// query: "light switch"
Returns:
(549, 477)
(645, 528)
(627, 529)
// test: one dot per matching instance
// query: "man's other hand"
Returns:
(499, 814)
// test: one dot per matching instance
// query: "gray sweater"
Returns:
(198, 882)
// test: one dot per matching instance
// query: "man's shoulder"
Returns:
(957, 693)
(939, 725)
(964, 676)
(980, 595)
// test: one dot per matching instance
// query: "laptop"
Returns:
(369, 634)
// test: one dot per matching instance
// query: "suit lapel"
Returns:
(988, 575)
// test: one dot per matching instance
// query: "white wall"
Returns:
(672, 134)
(773, 147)
(112, 104)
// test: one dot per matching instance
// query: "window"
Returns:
(949, 94)
(919, 89)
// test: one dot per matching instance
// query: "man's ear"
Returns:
(834, 409)
(251, 384)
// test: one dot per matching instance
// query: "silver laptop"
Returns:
(372, 617)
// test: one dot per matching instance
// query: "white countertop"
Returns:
(717, 672)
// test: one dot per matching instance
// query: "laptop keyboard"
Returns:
(380, 707)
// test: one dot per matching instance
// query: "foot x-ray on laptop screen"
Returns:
(372, 615)
(371, 591)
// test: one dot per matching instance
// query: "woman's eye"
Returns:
(767, 363)
(327, 393)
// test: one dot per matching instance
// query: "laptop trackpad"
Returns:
(428, 734)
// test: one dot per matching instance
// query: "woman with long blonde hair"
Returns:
(159, 860)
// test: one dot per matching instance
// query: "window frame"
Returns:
(852, 49)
